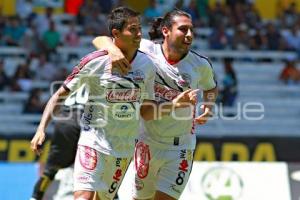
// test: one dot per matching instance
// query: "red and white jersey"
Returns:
(192, 72)
(111, 116)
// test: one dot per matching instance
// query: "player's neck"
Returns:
(129, 54)
(171, 54)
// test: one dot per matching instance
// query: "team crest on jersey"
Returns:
(137, 75)
(115, 95)
(184, 80)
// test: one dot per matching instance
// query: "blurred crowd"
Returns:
(236, 25)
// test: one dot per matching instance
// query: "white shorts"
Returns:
(160, 169)
(95, 171)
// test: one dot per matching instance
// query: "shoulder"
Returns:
(95, 55)
(148, 46)
(199, 58)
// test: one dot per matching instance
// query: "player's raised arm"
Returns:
(51, 107)
(118, 59)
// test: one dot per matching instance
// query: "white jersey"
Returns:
(111, 115)
(192, 72)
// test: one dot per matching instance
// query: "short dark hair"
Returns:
(167, 20)
(119, 16)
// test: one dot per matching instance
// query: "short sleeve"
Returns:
(207, 78)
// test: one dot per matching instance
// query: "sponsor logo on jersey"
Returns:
(87, 157)
(123, 95)
(137, 75)
(87, 117)
(123, 111)
(142, 159)
(164, 92)
(184, 80)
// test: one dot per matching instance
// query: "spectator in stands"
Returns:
(290, 74)
(31, 41)
(21, 81)
(152, 11)
(229, 91)
(274, 39)
(219, 39)
(13, 32)
(34, 104)
(93, 22)
(44, 70)
(258, 40)
(72, 37)
(193, 11)
(292, 39)
(51, 39)
(290, 16)
(219, 15)
(241, 39)
(4, 80)
(42, 21)
(203, 10)
(24, 9)
(252, 18)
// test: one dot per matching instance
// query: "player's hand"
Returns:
(203, 118)
(119, 62)
(37, 142)
(186, 99)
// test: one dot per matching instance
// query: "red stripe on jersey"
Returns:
(83, 62)
(194, 123)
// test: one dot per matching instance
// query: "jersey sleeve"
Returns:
(86, 71)
(147, 46)
(207, 77)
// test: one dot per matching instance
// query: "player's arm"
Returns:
(210, 94)
(209, 99)
(152, 110)
(117, 57)
(51, 108)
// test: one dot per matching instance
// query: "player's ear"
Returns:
(165, 31)
(115, 33)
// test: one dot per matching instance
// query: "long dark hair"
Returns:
(168, 20)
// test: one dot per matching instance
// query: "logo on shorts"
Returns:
(142, 159)
(87, 157)
(175, 189)
(84, 178)
(183, 167)
(117, 177)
